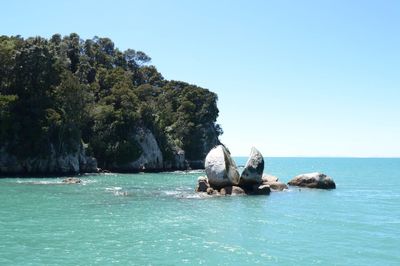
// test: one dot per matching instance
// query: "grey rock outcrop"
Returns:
(179, 159)
(274, 183)
(253, 170)
(220, 168)
(269, 178)
(313, 180)
(277, 186)
(52, 163)
(151, 157)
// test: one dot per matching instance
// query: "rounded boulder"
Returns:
(313, 180)
(220, 168)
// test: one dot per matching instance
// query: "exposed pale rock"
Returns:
(52, 163)
(220, 168)
(151, 157)
(313, 180)
(269, 178)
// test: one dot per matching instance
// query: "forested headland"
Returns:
(72, 105)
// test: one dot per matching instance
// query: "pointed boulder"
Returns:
(254, 168)
(220, 168)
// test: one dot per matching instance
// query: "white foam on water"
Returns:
(113, 188)
(198, 171)
(171, 192)
(40, 182)
(86, 182)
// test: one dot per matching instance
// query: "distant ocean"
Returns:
(157, 219)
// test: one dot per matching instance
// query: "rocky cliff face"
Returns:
(69, 163)
(209, 139)
(151, 158)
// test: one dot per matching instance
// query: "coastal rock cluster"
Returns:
(223, 178)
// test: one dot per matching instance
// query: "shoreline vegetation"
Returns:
(70, 106)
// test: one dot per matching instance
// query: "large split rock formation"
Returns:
(253, 170)
(223, 176)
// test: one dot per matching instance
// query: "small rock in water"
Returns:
(72, 180)
(202, 184)
(313, 180)
(276, 186)
(273, 183)
(269, 178)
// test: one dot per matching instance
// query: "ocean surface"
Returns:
(157, 219)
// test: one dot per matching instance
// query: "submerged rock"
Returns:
(220, 168)
(72, 180)
(313, 180)
(253, 171)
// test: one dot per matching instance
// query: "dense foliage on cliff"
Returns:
(59, 93)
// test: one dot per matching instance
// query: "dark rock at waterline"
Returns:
(232, 190)
(313, 180)
(72, 180)
(260, 190)
(220, 168)
(253, 171)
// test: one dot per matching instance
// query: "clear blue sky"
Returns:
(294, 78)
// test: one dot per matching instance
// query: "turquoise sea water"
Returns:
(157, 219)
